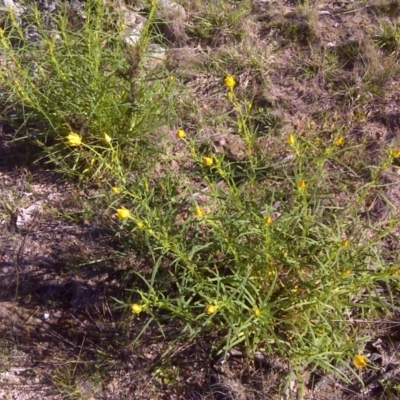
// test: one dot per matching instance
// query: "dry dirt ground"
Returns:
(60, 335)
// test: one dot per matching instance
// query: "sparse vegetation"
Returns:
(249, 208)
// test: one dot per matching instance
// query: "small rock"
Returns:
(174, 17)
(15, 7)
(156, 51)
(25, 215)
(133, 26)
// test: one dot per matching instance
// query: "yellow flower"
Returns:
(256, 312)
(207, 161)
(123, 213)
(230, 82)
(268, 220)
(115, 190)
(291, 140)
(360, 361)
(107, 138)
(301, 184)
(139, 224)
(395, 153)
(73, 139)
(136, 308)
(198, 212)
(345, 243)
(210, 309)
(180, 134)
(338, 141)
(346, 272)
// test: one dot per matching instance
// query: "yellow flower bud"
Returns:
(123, 213)
(256, 312)
(267, 220)
(207, 161)
(346, 272)
(395, 153)
(180, 134)
(291, 140)
(338, 141)
(360, 361)
(73, 139)
(115, 190)
(136, 308)
(210, 309)
(230, 82)
(198, 212)
(301, 184)
(107, 138)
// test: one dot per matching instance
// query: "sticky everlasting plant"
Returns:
(267, 250)
(267, 260)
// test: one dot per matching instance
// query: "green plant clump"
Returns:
(78, 78)
(275, 252)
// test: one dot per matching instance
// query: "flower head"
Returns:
(115, 190)
(346, 272)
(107, 138)
(123, 213)
(136, 308)
(360, 361)
(208, 161)
(301, 184)
(180, 134)
(345, 243)
(394, 271)
(230, 82)
(198, 212)
(73, 139)
(210, 309)
(256, 312)
(291, 140)
(338, 141)
(267, 220)
(139, 224)
(395, 153)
